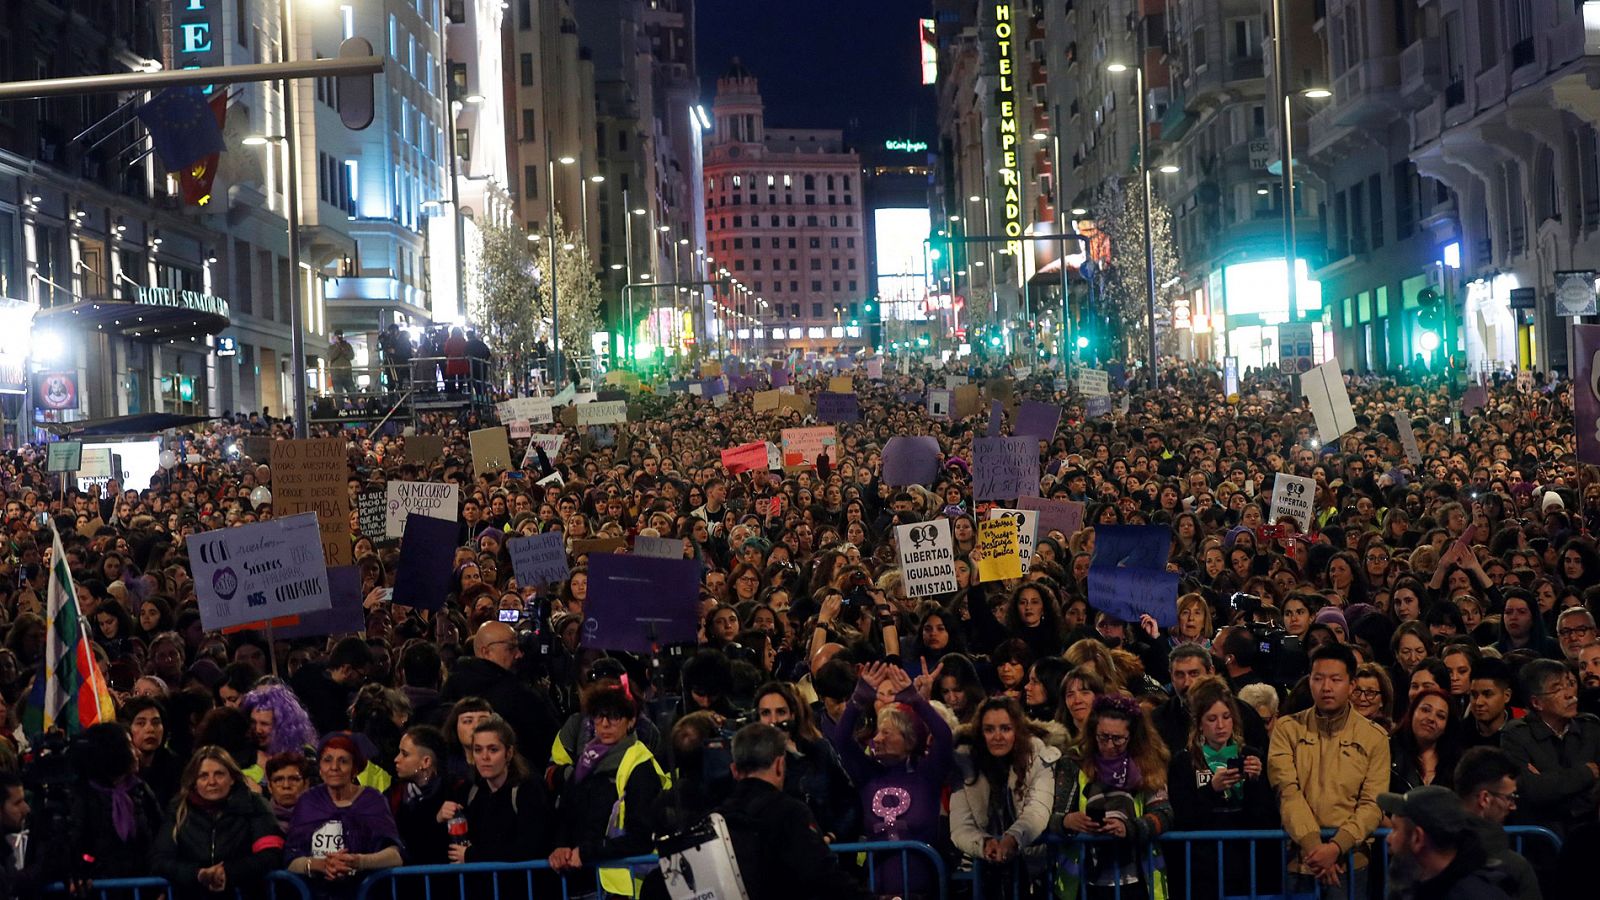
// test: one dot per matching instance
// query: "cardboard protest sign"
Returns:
(565, 395)
(551, 444)
(1065, 516)
(1001, 390)
(793, 401)
(966, 402)
(259, 449)
(841, 384)
(63, 456)
(491, 450)
(554, 480)
(658, 547)
(910, 460)
(1475, 398)
(1323, 387)
(802, 446)
(767, 401)
(615, 619)
(539, 559)
(745, 457)
(951, 382)
(371, 506)
(261, 571)
(533, 410)
(927, 557)
(1294, 496)
(875, 368)
(345, 616)
(835, 407)
(427, 552)
(1004, 468)
(312, 476)
(609, 412)
(999, 554)
(711, 370)
(1128, 574)
(940, 404)
(1408, 437)
(624, 379)
(598, 546)
(423, 498)
(1027, 530)
(424, 449)
(720, 400)
(1095, 407)
(1093, 383)
(1037, 420)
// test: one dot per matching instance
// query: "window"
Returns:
(811, 182)
(530, 182)
(816, 308)
(1375, 192)
(816, 243)
(852, 290)
(1246, 37)
(850, 242)
(816, 264)
(738, 243)
(816, 286)
(242, 20)
(833, 243)
(791, 240)
(836, 287)
(525, 68)
(834, 263)
(530, 125)
(524, 15)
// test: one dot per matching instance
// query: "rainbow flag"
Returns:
(72, 694)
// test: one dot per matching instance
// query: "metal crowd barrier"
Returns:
(1015, 880)
(280, 886)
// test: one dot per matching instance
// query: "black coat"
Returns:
(507, 825)
(96, 850)
(523, 706)
(241, 833)
(424, 836)
(326, 701)
(781, 854)
(583, 808)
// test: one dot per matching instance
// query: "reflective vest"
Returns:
(1069, 867)
(622, 880)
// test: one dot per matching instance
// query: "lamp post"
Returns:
(1149, 239)
(297, 330)
(550, 236)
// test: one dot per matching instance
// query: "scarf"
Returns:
(1219, 759)
(593, 753)
(122, 812)
(195, 801)
(1119, 772)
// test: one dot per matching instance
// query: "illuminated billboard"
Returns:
(930, 52)
(901, 261)
(1260, 288)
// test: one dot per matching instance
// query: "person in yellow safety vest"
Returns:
(605, 793)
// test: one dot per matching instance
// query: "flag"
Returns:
(182, 126)
(71, 694)
(194, 182)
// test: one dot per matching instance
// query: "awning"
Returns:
(156, 322)
(144, 423)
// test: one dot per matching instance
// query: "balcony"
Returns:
(1421, 72)
(1365, 97)
(1427, 123)
(1245, 69)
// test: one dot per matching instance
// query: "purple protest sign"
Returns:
(1004, 468)
(1586, 393)
(1128, 575)
(780, 376)
(711, 387)
(910, 460)
(832, 407)
(997, 418)
(1475, 398)
(427, 550)
(345, 616)
(538, 559)
(1065, 516)
(1038, 420)
(639, 603)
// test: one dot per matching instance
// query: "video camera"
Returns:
(1280, 656)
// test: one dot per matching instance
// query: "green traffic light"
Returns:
(855, 323)
(1082, 342)
(994, 341)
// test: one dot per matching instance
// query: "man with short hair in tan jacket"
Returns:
(1328, 765)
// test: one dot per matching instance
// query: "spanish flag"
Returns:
(72, 694)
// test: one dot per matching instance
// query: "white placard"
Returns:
(606, 412)
(425, 498)
(940, 403)
(927, 557)
(1408, 437)
(1324, 387)
(533, 410)
(551, 444)
(1093, 383)
(719, 400)
(565, 395)
(951, 382)
(1294, 496)
(1027, 530)
(259, 572)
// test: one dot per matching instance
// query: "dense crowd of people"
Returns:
(1425, 658)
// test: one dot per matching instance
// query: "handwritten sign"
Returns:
(841, 384)
(371, 506)
(427, 552)
(1093, 383)
(550, 443)
(1293, 496)
(1037, 420)
(767, 401)
(940, 404)
(1065, 516)
(967, 399)
(836, 407)
(802, 446)
(1324, 388)
(658, 547)
(745, 457)
(999, 550)
(1408, 437)
(1128, 575)
(927, 557)
(1005, 467)
(63, 456)
(424, 498)
(1027, 530)
(424, 449)
(610, 412)
(910, 460)
(261, 571)
(533, 410)
(312, 476)
(491, 450)
(539, 559)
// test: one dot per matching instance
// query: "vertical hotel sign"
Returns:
(197, 34)
(1006, 105)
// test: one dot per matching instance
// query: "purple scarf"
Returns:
(593, 752)
(1119, 772)
(122, 814)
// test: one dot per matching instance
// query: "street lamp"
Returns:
(1149, 240)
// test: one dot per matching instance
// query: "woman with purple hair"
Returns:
(278, 724)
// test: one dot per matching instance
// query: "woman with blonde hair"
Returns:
(219, 835)
(1098, 658)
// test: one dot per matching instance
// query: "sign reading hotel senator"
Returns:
(190, 301)
(1006, 101)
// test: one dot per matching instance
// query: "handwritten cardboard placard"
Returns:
(841, 384)
(259, 449)
(371, 505)
(1128, 575)
(1094, 383)
(424, 449)
(1037, 420)
(260, 571)
(423, 498)
(1293, 496)
(313, 476)
(767, 401)
(1408, 437)
(967, 399)
(658, 547)
(607, 412)
(802, 446)
(551, 444)
(598, 546)
(999, 549)
(491, 450)
(711, 370)
(1027, 530)
(1004, 468)
(1065, 516)
(539, 559)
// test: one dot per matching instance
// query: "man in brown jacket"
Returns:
(1328, 765)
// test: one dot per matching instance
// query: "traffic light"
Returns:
(1430, 316)
(1083, 342)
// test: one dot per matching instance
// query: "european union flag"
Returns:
(183, 127)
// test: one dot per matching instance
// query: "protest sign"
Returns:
(1475, 398)
(554, 480)
(259, 449)
(312, 476)
(940, 404)
(927, 557)
(802, 446)
(710, 370)
(910, 460)
(712, 387)
(767, 401)
(720, 400)
(371, 506)
(1001, 390)
(1004, 468)
(624, 379)
(780, 376)
(745, 457)
(1037, 420)
(1293, 496)
(598, 546)
(1323, 387)
(423, 498)
(565, 395)
(427, 554)
(1586, 393)
(261, 571)
(998, 553)
(658, 547)
(1065, 516)
(1093, 383)
(1128, 574)
(551, 444)
(610, 412)
(1027, 530)
(424, 449)
(533, 410)
(345, 616)
(491, 450)
(997, 418)
(875, 368)
(835, 407)
(841, 384)
(616, 619)
(951, 382)
(966, 402)
(539, 559)
(63, 456)
(1095, 407)
(1408, 437)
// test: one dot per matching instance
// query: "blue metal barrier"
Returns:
(280, 886)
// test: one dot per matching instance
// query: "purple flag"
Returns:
(1586, 392)
(910, 460)
(1037, 419)
(617, 617)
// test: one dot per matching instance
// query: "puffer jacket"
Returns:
(1032, 799)
(241, 833)
(1328, 773)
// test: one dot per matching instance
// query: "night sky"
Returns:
(851, 64)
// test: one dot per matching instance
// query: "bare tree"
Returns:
(1120, 208)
